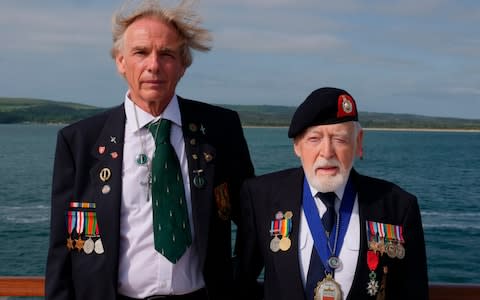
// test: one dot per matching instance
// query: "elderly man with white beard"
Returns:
(323, 231)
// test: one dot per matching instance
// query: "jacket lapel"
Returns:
(286, 263)
(106, 178)
(359, 284)
(201, 162)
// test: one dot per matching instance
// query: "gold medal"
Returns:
(288, 215)
(328, 288)
(275, 244)
(285, 244)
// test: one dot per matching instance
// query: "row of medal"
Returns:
(386, 238)
(83, 223)
(281, 226)
(382, 238)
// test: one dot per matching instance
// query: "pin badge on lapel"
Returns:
(192, 127)
(208, 157)
(101, 149)
(202, 129)
(198, 179)
(113, 139)
(106, 189)
(105, 174)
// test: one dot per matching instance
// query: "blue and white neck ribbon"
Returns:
(320, 239)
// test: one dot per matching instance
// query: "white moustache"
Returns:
(326, 163)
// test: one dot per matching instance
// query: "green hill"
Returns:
(20, 110)
(24, 110)
(266, 115)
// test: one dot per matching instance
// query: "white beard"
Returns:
(327, 183)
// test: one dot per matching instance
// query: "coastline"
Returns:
(424, 129)
(459, 130)
(391, 129)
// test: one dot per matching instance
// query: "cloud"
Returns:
(469, 92)
(51, 30)
(276, 42)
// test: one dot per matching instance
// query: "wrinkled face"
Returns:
(150, 61)
(327, 153)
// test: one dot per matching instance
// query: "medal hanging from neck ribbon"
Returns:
(322, 243)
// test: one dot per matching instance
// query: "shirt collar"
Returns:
(171, 112)
(339, 192)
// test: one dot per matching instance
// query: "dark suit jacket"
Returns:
(378, 201)
(78, 162)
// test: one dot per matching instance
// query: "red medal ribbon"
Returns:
(70, 222)
(97, 232)
(372, 260)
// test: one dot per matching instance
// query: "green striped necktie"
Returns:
(171, 228)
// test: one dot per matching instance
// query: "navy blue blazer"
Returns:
(378, 200)
(88, 146)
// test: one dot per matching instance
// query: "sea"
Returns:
(440, 167)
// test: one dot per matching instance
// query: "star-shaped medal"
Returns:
(372, 288)
(79, 244)
(69, 243)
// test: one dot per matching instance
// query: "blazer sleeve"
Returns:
(250, 258)
(416, 286)
(58, 281)
(241, 166)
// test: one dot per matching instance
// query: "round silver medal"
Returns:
(275, 244)
(391, 250)
(88, 246)
(400, 251)
(99, 247)
(334, 262)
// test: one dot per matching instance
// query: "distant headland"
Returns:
(27, 110)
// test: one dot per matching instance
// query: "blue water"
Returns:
(441, 168)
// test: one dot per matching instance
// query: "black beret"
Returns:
(323, 106)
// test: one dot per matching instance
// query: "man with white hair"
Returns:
(143, 194)
(323, 231)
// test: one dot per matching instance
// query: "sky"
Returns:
(411, 56)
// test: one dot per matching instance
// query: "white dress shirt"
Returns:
(350, 249)
(142, 271)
